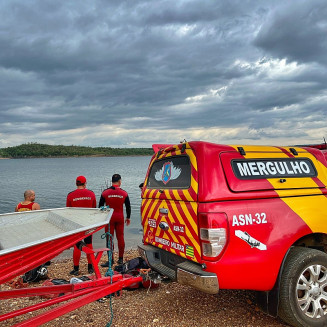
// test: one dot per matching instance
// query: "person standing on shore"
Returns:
(28, 204)
(115, 198)
(82, 198)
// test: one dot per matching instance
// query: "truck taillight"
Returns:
(216, 240)
(213, 234)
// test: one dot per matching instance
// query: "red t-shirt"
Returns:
(82, 198)
(25, 207)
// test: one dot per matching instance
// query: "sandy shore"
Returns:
(169, 305)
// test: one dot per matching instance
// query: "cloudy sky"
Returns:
(131, 73)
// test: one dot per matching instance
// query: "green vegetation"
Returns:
(36, 150)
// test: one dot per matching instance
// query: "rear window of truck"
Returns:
(170, 173)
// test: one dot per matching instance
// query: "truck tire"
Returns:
(303, 288)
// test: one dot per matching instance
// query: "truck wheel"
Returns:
(303, 288)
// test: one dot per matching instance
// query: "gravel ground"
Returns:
(169, 305)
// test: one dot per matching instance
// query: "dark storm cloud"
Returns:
(132, 72)
(297, 31)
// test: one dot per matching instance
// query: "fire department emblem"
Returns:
(167, 172)
(150, 236)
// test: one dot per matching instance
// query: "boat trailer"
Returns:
(23, 259)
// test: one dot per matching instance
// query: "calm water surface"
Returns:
(52, 179)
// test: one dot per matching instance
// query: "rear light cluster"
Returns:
(213, 234)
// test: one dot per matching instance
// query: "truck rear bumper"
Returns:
(179, 269)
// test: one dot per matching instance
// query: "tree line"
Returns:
(36, 150)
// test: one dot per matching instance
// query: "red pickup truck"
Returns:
(241, 217)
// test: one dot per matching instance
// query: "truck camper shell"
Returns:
(210, 211)
(213, 169)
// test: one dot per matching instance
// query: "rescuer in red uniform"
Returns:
(82, 198)
(115, 198)
(28, 203)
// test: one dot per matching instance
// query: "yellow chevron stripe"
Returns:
(178, 216)
(145, 193)
(150, 213)
(312, 209)
(166, 155)
(183, 239)
(181, 221)
(176, 195)
(190, 220)
(167, 195)
(194, 184)
(156, 214)
(195, 207)
(321, 169)
(192, 158)
(169, 154)
(157, 195)
(189, 216)
(322, 172)
(144, 221)
(158, 230)
(171, 234)
(187, 195)
(172, 220)
(146, 206)
(151, 193)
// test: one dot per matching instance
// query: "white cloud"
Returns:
(212, 94)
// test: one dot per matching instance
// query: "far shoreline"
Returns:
(37, 150)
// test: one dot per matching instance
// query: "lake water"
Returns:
(53, 178)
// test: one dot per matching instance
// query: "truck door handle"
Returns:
(163, 210)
